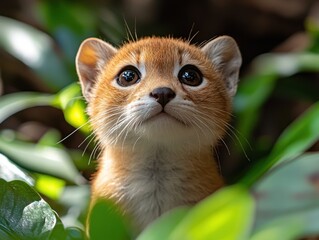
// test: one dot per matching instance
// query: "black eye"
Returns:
(190, 75)
(128, 76)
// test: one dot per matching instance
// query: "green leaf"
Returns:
(288, 197)
(252, 93)
(280, 229)
(297, 137)
(70, 100)
(74, 234)
(227, 214)
(75, 23)
(15, 102)
(256, 89)
(49, 186)
(45, 159)
(23, 214)
(290, 226)
(286, 64)
(76, 199)
(163, 227)
(35, 49)
(106, 222)
(10, 172)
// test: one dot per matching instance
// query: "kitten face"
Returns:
(157, 90)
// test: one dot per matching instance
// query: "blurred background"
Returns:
(41, 104)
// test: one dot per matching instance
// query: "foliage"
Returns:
(276, 199)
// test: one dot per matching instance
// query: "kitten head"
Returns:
(159, 90)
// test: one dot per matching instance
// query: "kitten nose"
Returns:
(163, 95)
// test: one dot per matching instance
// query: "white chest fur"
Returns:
(150, 183)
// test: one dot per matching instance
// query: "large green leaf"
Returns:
(163, 227)
(106, 222)
(15, 102)
(288, 196)
(23, 214)
(45, 159)
(35, 49)
(297, 138)
(227, 214)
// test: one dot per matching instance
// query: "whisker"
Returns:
(87, 145)
(229, 128)
(190, 37)
(90, 135)
(129, 34)
(74, 131)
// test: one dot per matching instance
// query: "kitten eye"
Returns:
(128, 76)
(190, 75)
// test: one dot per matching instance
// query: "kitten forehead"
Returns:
(161, 50)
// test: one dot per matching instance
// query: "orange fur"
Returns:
(156, 162)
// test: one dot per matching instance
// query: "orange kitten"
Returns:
(157, 106)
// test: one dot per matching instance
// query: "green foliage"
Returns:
(36, 50)
(288, 197)
(165, 225)
(296, 139)
(276, 199)
(46, 159)
(107, 212)
(228, 214)
(25, 215)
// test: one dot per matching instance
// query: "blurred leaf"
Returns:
(76, 200)
(35, 49)
(164, 226)
(297, 137)
(312, 28)
(70, 100)
(290, 226)
(50, 138)
(74, 234)
(106, 222)
(255, 89)
(15, 102)
(280, 229)
(49, 186)
(43, 159)
(9, 171)
(286, 64)
(227, 214)
(289, 192)
(23, 214)
(69, 23)
(252, 93)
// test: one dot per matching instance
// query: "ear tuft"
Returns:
(225, 56)
(92, 56)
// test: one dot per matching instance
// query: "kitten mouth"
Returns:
(164, 116)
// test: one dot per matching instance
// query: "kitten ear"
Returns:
(92, 56)
(225, 55)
